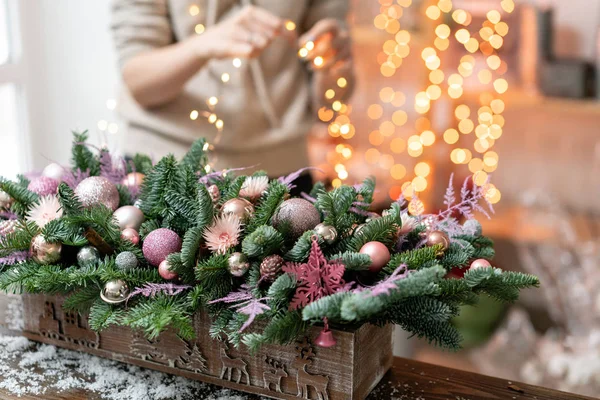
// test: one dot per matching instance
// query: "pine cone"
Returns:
(270, 267)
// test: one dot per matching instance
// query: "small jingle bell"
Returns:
(325, 339)
(327, 232)
(115, 291)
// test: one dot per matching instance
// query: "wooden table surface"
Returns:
(407, 380)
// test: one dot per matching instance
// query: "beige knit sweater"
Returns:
(265, 106)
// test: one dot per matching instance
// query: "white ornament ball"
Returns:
(129, 217)
(54, 171)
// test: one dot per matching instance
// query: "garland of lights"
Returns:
(487, 126)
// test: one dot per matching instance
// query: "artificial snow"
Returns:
(29, 368)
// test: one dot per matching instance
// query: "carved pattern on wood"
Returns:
(274, 374)
(182, 354)
(303, 378)
(232, 364)
(70, 329)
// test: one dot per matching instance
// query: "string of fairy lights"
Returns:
(485, 121)
(388, 142)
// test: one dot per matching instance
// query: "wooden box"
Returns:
(349, 370)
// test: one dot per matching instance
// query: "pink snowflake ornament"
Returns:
(317, 277)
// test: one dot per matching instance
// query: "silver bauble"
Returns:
(327, 232)
(296, 216)
(129, 217)
(238, 264)
(241, 208)
(126, 260)
(87, 255)
(44, 252)
(115, 291)
(97, 190)
(5, 200)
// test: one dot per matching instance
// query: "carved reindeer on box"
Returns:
(303, 378)
(231, 364)
(274, 374)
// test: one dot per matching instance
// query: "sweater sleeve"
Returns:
(321, 9)
(138, 26)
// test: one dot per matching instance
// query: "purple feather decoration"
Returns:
(288, 179)
(218, 175)
(73, 178)
(449, 197)
(153, 289)
(247, 304)
(387, 285)
(16, 257)
(8, 215)
(306, 196)
(112, 168)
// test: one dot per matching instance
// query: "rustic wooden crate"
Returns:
(349, 370)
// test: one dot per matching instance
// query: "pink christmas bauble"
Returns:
(165, 272)
(159, 244)
(480, 263)
(43, 185)
(97, 190)
(379, 253)
(131, 234)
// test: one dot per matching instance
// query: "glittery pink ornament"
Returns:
(379, 253)
(43, 186)
(164, 270)
(296, 216)
(159, 244)
(98, 190)
(480, 263)
(131, 234)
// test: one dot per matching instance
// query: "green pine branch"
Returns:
(264, 241)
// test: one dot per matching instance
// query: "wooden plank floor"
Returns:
(407, 380)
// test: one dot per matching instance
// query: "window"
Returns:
(14, 152)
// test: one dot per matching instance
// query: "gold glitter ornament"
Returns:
(327, 232)
(296, 216)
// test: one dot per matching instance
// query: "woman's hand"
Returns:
(331, 45)
(244, 35)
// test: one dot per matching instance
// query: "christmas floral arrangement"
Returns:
(147, 245)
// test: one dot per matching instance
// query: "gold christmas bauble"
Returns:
(44, 252)
(238, 264)
(241, 208)
(5, 200)
(438, 237)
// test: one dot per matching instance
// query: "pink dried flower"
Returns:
(47, 209)
(223, 234)
(253, 187)
(408, 224)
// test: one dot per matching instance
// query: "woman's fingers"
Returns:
(319, 29)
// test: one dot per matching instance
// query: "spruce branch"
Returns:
(264, 241)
